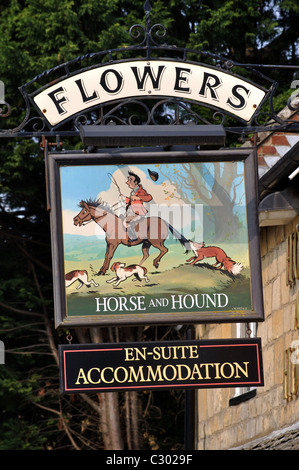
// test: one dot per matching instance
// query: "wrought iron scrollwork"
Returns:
(5, 109)
(156, 109)
(148, 31)
(133, 111)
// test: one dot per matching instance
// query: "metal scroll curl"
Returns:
(157, 109)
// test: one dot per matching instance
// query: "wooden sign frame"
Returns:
(181, 285)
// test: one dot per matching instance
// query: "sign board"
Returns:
(160, 365)
(2, 353)
(148, 239)
(149, 78)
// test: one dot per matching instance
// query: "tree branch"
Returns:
(18, 310)
(59, 413)
(45, 317)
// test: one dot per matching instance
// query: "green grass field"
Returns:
(173, 277)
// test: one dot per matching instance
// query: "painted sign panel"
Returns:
(160, 365)
(155, 242)
(139, 78)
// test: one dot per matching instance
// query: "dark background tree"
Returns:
(36, 35)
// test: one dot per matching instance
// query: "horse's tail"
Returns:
(183, 241)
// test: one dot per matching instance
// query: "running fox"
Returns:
(201, 251)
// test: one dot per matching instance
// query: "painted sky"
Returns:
(93, 181)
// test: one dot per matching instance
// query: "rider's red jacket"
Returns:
(137, 206)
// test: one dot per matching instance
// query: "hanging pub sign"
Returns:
(160, 365)
(155, 238)
(149, 78)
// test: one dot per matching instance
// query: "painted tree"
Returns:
(215, 185)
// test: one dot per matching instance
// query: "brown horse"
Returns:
(151, 231)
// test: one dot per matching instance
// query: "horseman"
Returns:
(135, 210)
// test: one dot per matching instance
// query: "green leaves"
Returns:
(240, 29)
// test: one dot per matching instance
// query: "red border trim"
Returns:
(185, 385)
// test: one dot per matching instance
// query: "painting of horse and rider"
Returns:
(164, 237)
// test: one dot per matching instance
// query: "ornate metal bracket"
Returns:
(158, 29)
(151, 110)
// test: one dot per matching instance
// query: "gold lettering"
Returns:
(134, 354)
(180, 376)
(82, 376)
(89, 375)
(103, 376)
(245, 372)
(217, 364)
(125, 374)
(174, 371)
(139, 353)
(174, 352)
(135, 376)
(156, 353)
(154, 375)
(182, 348)
(129, 354)
(194, 352)
(166, 356)
(207, 364)
(232, 370)
(196, 371)
(168, 372)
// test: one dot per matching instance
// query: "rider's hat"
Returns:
(153, 175)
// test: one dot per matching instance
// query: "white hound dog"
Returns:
(123, 272)
(81, 276)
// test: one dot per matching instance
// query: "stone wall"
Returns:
(276, 405)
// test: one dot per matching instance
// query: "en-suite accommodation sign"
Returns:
(160, 365)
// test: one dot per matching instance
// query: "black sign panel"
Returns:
(160, 365)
